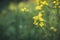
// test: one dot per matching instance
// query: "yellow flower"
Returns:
(38, 8)
(54, 2)
(35, 23)
(53, 29)
(41, 19)
(24, 9)
(41, 5)
(12, 6)
(41, 24)
(40, 14)
(44, 3)
(35, 17)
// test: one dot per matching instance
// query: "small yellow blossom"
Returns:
(24, 9)
(44, 3)
(38, 19)
(38, 8)
(34, 22)
(40, 14)
(41, 24)
(54, 2)
(53, 29)
(41, 5)
(35, 17)
(41, 19)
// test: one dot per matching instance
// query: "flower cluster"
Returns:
(24, 9)
(39, 7)
(38, 20)
(41, 4)
(53, 29)
(56, 4)
(44, 2)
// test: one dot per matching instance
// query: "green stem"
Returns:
(17, 23)
(17, 27)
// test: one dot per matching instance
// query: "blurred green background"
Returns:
(16, 20)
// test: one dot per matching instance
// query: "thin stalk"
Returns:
(17, 23)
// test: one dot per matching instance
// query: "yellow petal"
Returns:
(35, 17)
(41, 24)
(40, 14)
(41, 19)
(38, 8)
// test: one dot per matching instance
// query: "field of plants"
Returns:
(30, 20)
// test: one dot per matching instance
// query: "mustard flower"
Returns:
(54, 2)
(44, 2)
(38, 8)
(24, 9)
(41, 24)
(53, 29)
(40, 14)
(35, 17)
(35, 23)
(41, 19)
